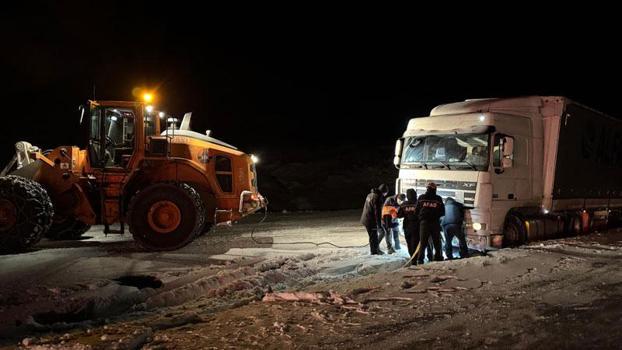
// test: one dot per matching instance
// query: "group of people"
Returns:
(423, 219)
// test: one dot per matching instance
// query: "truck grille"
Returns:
(462, 191)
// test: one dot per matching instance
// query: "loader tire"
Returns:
(514, 231)
(69, 229)
(166, 216)
(26, 213)
(209, 204)
(207, 227)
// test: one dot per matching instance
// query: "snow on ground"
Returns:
(228, 291)
(63, 285)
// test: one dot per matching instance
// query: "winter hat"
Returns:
(383, 188)
(432, 186)
(411, 194)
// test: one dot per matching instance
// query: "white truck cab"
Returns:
(499, 157)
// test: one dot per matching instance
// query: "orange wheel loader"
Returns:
(168, 184)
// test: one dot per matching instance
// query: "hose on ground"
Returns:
(415, 254)
(317, 244)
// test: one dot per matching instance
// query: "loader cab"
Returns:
(117, 132)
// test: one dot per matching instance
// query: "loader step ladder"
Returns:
(112, 202)
(225, 213)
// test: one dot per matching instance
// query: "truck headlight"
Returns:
(479, 226)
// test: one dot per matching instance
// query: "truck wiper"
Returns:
(445, 164)
(469, 164)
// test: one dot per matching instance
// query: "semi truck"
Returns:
(525, 168)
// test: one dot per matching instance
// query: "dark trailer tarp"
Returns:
(589, 155)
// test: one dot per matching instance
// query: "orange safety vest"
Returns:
(389, 210)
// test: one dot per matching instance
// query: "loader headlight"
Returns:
(149, 109)
(147, 97)
(254, 159)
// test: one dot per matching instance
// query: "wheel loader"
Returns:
(139, 169)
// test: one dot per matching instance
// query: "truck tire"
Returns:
(514, 231)
(26, 213)
(166, 216)
(69, 229)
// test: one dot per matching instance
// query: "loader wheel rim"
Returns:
(164, 216)
(8, 214)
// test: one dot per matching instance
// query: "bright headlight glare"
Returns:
(477, 226)
(254, 159)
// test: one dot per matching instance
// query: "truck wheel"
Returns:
(514, 231)
(26, 213)
(68, 229)
(166, 216)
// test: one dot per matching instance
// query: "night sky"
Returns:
(295, 79)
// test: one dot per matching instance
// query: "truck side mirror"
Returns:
(398, 152)
(508, 152)
(503, 153)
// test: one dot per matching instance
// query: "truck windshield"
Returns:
(464, 151)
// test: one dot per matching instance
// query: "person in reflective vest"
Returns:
(390, 224)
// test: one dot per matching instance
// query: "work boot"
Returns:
(380, 252)
(391, 251)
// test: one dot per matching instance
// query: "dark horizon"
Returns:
(266, 89)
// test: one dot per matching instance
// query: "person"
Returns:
(410, 223)
(390, 224)
(477, 156)
(452, 227)
(430, 209)
(371, 216)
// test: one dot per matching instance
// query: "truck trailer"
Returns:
(525, 168)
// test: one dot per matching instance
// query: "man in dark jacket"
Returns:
(371, 217)
(410, 225)
(452, 226)
(430, 209)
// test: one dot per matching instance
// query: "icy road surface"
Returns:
(225, 291)
(76, 281)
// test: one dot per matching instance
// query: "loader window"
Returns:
(224, 174)
(94, 136)
(119, 133)
(149, 126)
